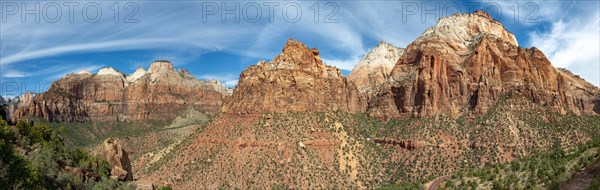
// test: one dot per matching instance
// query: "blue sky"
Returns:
(194, 36)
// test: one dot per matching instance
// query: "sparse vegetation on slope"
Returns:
(307, 150)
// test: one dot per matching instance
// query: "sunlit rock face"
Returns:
(296, 80)
(370, 73)
(465, 63)
(110, 95)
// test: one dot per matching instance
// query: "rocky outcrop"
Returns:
(370, 73)
(118, 158)
(406, 144)
(139, 73)
(160, 93)
(296, 80)
(13, 104)
(465, 63)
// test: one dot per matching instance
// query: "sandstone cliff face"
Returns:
(370, 73)
(296, 80)
(467, 62)
(116, 155)
(110, 95)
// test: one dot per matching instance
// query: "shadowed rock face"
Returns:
(161, 93)
(296, 80)
(597, 107)
(467, 62)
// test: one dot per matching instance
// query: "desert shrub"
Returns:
(15, 171)
(44, 166)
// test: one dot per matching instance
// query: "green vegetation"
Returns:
(87, 134)
(542, 171)
(48, 163)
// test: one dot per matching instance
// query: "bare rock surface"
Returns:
(465, 63)
(296, 80)
(116, 155)
(370, 73)
(109, 95)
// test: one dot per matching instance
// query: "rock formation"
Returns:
(296, 80)
(110, 95)
(370, 73)
(14, 103)
(406, 144)
(118, 158)
(465, 63)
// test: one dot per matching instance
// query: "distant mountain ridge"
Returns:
(160, 93)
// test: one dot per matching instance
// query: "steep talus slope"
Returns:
(296, 80)
(466, 62)
(370, 73)
(110, 95)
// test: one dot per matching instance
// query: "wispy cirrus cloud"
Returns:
(14, 74)
(573, 43)
(177, 31)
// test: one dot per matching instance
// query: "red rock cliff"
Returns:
(465, 63)
(160, 93)
(296, 80)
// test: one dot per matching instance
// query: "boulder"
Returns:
(116, 155)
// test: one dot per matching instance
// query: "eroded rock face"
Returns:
(161, 93)
(296, 80)
(465, 63)
(118, 158)
(370, 73)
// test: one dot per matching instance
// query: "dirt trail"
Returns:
(582, 179)
(434, 184)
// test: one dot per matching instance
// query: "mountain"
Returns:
(370, 72)
(266, 132)
(296, 80)
(466, 62)
(160, 93)
(278, 130)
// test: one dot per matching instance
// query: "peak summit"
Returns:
(160, 66)
(465, 28)
(483, 14)
(383, 54)
(110, 71)
(371, 71)
(295, 52)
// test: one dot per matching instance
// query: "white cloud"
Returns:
(14, 74)
(61, 72)
(342, 44)
(343, 64)
(573, 44)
